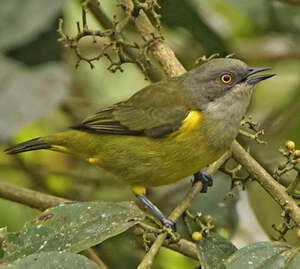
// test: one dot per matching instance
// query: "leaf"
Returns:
(50, 260)
(71, 227)
(213, 250)
(28, 94)
(265, 255)
(21, 21)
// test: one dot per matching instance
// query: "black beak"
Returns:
(256, 79)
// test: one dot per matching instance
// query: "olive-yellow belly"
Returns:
(140, 160)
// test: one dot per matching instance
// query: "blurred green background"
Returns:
(41, 92)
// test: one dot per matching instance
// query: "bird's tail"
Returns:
(33, 144)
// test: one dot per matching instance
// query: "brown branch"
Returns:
(186, 202)
(31, 198)
(93, 6)
(160, 50)
(276, 191)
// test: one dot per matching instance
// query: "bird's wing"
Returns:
(155, 111)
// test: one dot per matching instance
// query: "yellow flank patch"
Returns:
(189, 123)
(138, 190)
(59, 148)
(93, 160)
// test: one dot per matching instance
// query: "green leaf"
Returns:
(50, 260)
(21, 21)
(28, 93)
(213, 250)
(265, 255)
(71, 227)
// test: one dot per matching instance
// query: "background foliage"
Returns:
(41, 92)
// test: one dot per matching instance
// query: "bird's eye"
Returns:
(226, 78)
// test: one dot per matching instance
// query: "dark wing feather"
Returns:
(104, 122)
(154, 111)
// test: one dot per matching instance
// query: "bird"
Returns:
(166, 131)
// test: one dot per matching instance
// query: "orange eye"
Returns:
(226, 78)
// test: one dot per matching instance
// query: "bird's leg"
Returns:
(205, 179)
(155, 210)
(140, 194)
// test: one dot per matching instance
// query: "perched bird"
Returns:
(166, 131)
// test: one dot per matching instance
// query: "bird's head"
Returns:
(222, 81)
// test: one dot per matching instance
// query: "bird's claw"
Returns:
(205, 179)
(169, 224)
(169, 227)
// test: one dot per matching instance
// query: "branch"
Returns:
(160, 50)
(31, 198)
(276, 191)
(197, 187)
(179, 210)
(106, 23)
(183, 246)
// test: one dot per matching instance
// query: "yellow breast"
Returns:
(193, 120)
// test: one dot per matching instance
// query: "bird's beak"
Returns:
(256, 79)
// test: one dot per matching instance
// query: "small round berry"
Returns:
(197, 236)
(296, 154)
(290, 145)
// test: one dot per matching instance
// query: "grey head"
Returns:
(222, 89)
(219, 77)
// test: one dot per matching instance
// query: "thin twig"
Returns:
(106, 23)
